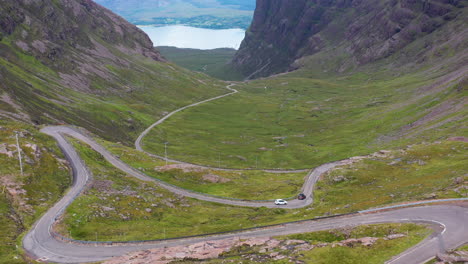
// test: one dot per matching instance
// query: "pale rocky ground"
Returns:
(454, 257)
(268, 248)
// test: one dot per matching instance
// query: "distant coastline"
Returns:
(182, 36)
(208, 22)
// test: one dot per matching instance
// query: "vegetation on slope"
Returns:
(211, 62)
(250, 184)
(427, 171)
(118, 207)
(25, 197)
(86, 66)
(325, 247)
(292, 122)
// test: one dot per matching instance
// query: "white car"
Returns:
(280, 202)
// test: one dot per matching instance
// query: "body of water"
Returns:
(194, 38)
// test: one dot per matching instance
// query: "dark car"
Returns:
(301, 196)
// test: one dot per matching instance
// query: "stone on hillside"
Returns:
(106, 209)
(462, 139)
(458, 180)
(4, 150)
(368, 241)
(394, 236)
(214, 178)
(295, 242)
(452, 258)
(339, 178)
(264, 149)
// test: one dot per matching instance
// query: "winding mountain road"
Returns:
(40, 242)
(58, 131)
(144, 133)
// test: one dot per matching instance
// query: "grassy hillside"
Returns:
(334, 106)
(214, 63)
(291, 122)
(250, 185)
(119, 207)
(98, 72)
(25, 197)
(324, 247)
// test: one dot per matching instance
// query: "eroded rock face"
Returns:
(73, 37)
(367, 30)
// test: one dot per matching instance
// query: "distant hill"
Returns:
(215, 14)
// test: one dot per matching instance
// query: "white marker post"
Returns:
(19, 153)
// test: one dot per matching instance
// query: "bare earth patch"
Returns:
(462, 139)
(215, 178)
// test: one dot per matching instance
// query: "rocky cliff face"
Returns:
(363, 30)
(67, 35)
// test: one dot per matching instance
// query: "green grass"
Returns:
(463, 248)
(211, 62)
(417, 173)
(302, 123)
(379, 252)
(250, 185)
(173, 216)
(414, 173)
(24, 198)
(170, 215)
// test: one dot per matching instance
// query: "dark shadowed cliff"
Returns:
(352, 32)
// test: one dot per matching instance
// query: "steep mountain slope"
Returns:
(347, 33)
(73, 61)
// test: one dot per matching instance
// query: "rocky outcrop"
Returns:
(263, 249)
(362, 31)
(50, 30)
